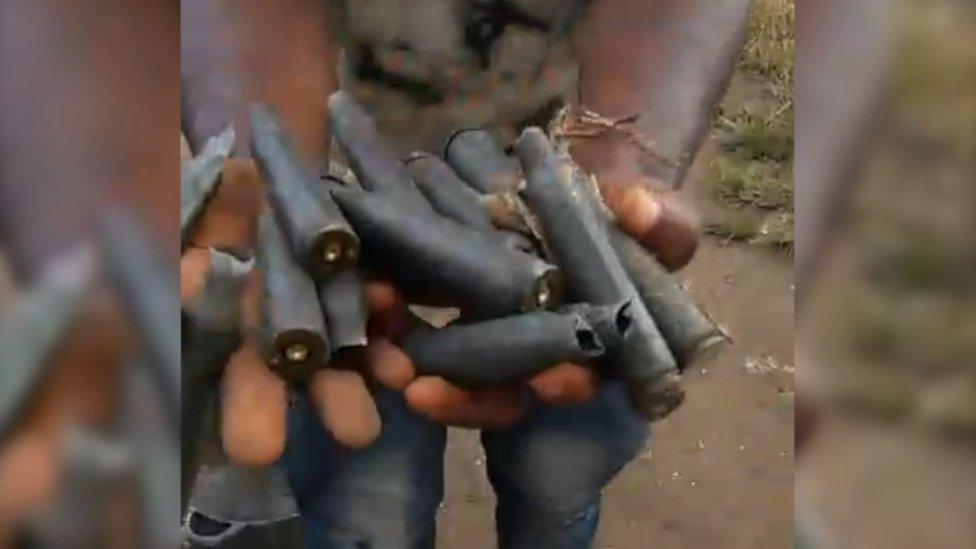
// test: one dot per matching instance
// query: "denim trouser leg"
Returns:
(384, 496)
(548, 470)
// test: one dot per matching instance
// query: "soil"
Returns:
(720, 470)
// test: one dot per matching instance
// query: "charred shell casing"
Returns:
(433, 257)
(375, 165)
(517, 347)
(211, 333)
(342, 295)
(577, 236)
(447, 193)
(198, 181)
(343, 303)
(481, 161)
(454, 199)
(690, 334)
(317, 232)
(294, 338)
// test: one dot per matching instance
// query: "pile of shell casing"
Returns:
(520, 245)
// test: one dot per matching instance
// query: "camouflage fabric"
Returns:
(428, 67)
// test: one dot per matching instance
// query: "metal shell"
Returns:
(437, 259)
(294, 334)
(690, 334)
(198, 181)
(576, 234)
(481, 161)
(517, 347)
(317, 232)
(447, 193)
(375, 165)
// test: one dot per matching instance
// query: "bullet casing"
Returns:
(516, 347)
(317, 232)
(690, 334)
(375, 165)
(576, 234)
(448, 263)
(481, 162)
(448, 193)
(294, 339)
(199, 180)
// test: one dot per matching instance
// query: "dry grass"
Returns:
(769, 49)
(755, 166)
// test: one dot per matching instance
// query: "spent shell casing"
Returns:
(690, 333)
(294, 338)
(317, 232)
(376, 166)
(576, 234)
(516, 347)
(481, 162)
(447, 193)
(432, 256)
(200, 178)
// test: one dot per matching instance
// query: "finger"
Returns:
(565, 383)
(30, 469)
(389, 317)
(655, 220)
(253, 409)
(345, 407)
(389, 365)
(440, 401)
(229, 220)
(194, 265)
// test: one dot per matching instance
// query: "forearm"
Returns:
(666, 61)
(274, 52)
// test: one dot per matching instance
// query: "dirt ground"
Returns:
(720, 470)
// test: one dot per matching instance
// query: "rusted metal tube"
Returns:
(481, 162)
(576, 234)
(294, 338)
(318, 234)
(437, 259)
(199, 180)
(517, 347)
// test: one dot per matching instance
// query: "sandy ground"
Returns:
(720, 470)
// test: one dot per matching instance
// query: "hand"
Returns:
(443, 402)
(644, 209)
(253, 399)
(79, 389)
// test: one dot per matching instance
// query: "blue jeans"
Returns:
(547, 471)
